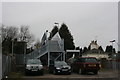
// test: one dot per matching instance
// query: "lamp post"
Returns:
(112, 45)
(62, 56)
(12, 46)
(58, 31)
(25, 44)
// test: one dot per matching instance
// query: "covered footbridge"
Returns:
(53, 49)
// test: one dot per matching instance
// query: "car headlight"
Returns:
(100, 66)
(69, 67)
(40, 66)
(57, 68)
(28, 67)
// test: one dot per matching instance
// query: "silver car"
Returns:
(34, 65)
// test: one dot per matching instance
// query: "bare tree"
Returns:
(37, 44)
(11, 33)
(25, 35)
(8, 33)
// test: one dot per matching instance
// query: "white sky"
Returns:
(85, 20)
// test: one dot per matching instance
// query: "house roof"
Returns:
(56, 37)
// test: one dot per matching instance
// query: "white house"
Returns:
(95, 51)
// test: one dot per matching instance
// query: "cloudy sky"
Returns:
(86, 20)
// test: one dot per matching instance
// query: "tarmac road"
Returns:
(101, 74)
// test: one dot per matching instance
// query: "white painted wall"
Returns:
(96, 55)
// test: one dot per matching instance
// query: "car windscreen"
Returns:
(93, 60)
(59, 63)
(34, 62)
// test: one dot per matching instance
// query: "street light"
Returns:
(57, 24)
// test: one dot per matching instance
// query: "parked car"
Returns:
(83, 65)
(60, 67)
(34, 65)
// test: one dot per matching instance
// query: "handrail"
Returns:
(37, 53)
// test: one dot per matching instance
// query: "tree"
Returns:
(78, 48)
(81, 51)
(89, 48)
(53, 32)
(66, 35)
(110, 49)
(9, 34)
(25, 35)
(85, 49)
(37, 44)
(100, 48)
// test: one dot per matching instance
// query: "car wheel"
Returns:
(54, 72)
(26, 72)
(42, 73)
(69, 73)
(80, 71)
(50, 71)
(95, 72)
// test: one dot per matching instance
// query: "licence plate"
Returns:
(92, 65)
(64, 69)
(34, 70)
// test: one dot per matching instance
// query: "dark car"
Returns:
(34, 66)
(60, 67)
(83, 65)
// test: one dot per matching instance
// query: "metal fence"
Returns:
(20, 59)
(6, 65)
(9, 64)
(110, 64)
